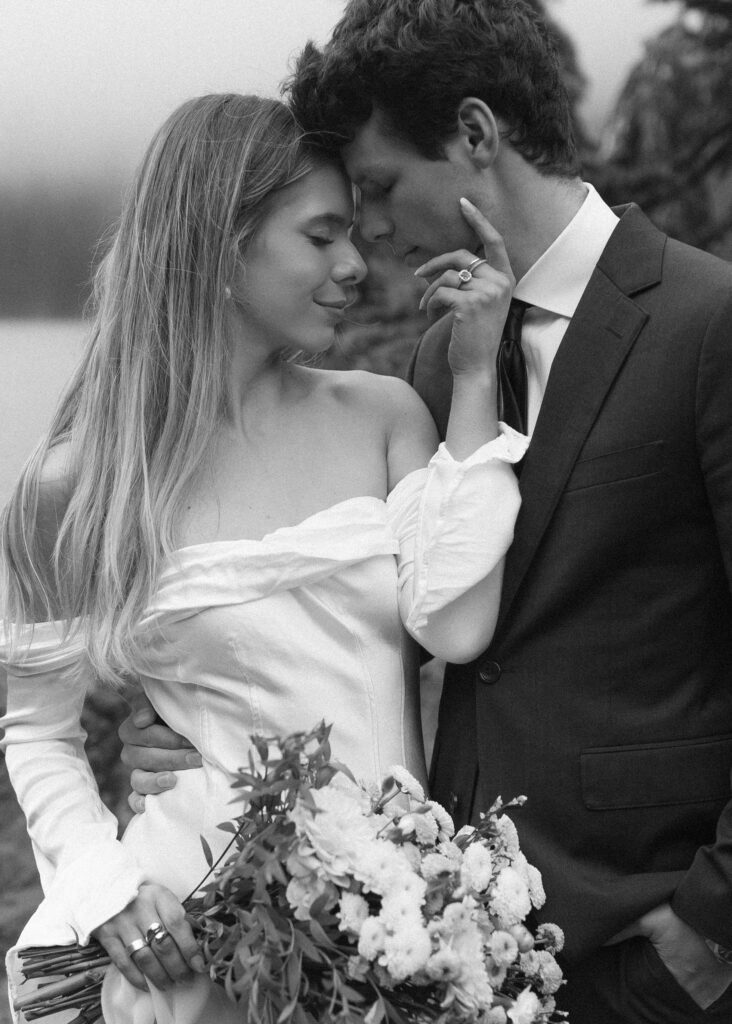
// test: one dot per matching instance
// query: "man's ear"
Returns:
(478, 134)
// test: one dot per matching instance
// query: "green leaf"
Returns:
(207, 852)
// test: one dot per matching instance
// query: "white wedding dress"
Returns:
(250, 637)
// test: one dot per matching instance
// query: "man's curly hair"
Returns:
(415, 60)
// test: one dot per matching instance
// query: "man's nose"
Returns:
(373, 223)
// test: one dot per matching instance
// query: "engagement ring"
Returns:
(156, 933)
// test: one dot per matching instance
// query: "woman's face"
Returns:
(301, 269)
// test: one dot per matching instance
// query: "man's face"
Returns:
(407, 200)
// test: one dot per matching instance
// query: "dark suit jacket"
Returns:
(606, 694)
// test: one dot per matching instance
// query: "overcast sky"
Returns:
(85, 83)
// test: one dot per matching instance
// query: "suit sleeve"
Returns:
(704, 897)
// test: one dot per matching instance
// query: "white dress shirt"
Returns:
(553, 287)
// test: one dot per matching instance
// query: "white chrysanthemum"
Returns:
(496, 1015)
(452, 851)
(352, 912)
(536, 887)
(541, 965)
(456, 917)
(551, 936)
(436, 864)
(503, 947)
(413, 855)
(399, 909)
(510, 902)
(444, 965)
(381, 866)
(407, 951)
(508, 836)
(472, 988)
(407, 782)
(525, 1009)
(302, 892)
(339, 828)
(475, 871)
(496, 972)
(422, 826)
(444, 821)
(372, 938)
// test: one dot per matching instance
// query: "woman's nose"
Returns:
(352, 267)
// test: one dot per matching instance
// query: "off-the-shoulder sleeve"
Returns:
(87, 875)
(454, 522)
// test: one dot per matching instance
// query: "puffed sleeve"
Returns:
(87, 875)
(454, 522)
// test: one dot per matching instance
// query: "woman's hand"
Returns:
(480, 304)
(171, 956)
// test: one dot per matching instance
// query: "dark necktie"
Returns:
(513, 383)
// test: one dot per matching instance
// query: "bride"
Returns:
(254, 542)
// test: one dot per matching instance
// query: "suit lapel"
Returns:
(598, 340)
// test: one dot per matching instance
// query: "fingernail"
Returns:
(466, 204)
(166, 780)
(142, 718)
(419, 270)
(194, 759)
(197, 964)
(140, 805)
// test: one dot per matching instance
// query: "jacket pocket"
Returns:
(657, 774)
(612, 467)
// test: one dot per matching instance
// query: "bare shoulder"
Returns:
(388, 398)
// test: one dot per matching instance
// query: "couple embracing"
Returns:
(261, 543)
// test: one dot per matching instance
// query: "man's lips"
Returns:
(412, 257)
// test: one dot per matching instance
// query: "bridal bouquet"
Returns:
(343, 904)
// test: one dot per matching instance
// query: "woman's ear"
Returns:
(478, 133)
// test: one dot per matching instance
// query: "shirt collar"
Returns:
(559, 277)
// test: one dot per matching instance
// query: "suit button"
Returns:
(490, 673)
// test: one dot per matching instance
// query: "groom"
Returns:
(606, 694)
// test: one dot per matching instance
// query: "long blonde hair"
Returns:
(140, 413)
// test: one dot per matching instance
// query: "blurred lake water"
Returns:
(37, 357)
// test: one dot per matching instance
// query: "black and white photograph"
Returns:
(366, 511)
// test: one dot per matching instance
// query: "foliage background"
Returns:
(666, 146)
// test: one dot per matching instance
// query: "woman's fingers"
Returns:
(123, 961)
(446, 261)
(485, 287)
(494, 249)
(178, 949)
(151, 940)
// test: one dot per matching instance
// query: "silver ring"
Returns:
(156, 933)
(464, 276)
(476, 263)
(135, 946)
